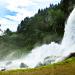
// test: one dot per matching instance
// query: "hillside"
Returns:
(66, 67)
(45, 26)
(42, 28)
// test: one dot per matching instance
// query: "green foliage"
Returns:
(67, 6)
(45, 26)
(47, 22)
(8, 32)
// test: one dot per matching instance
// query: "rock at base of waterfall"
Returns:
(39, 64)
(71, 55)
(22, 65)
(8, 63)
(2, 69)
(48, 60)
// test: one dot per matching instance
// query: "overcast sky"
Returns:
(13, 11)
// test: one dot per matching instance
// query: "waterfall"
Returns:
(68, 42)
(62, 50)
(56, 51)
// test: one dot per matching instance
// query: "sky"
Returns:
(13, 11)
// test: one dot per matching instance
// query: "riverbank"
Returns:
(66, 67)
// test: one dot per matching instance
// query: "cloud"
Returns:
(12, 25)
(13, 11)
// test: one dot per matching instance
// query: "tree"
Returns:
(8, 31)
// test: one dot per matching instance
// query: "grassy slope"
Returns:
(10, 44)
(66, 67)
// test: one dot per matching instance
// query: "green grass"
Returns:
(66, 67)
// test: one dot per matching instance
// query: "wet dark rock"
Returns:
(8, 63)
(39, 64)
(71, 55)
(3, 69)
(48, 60)
(22, 65)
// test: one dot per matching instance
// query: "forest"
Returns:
(45, 26)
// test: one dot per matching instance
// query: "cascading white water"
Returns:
(60, 51)
(68, 42)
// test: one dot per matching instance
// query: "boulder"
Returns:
(22, 65)
(71, 55)
(3, 69)
(39, 64)
(8, 63)
(48, 60)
